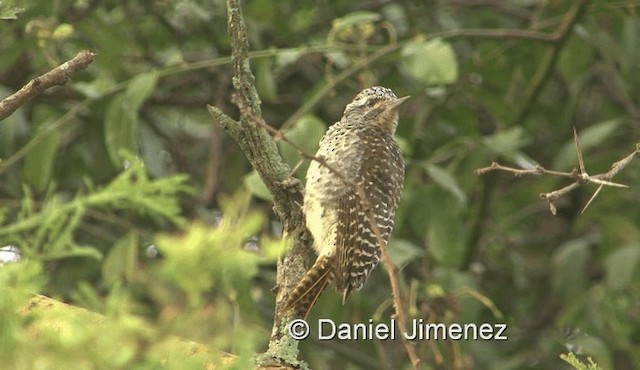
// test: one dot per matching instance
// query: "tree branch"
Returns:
(262, 153)
(549, 60)
(580, 177)
(504, 33)
(57, 76)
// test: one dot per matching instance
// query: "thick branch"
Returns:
(57, 76)
(262, 153)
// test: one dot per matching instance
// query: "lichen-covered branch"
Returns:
(57, 76)
(262, 153)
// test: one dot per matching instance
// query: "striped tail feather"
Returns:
(309, 289)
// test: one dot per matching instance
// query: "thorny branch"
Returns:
(579, 176)
(57, 76)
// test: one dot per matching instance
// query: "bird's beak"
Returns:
(397, 103)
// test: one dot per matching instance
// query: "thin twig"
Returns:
(549, 60)
(592, 198)
(211, 170)
(42, 134)
(497, 33)
(57, 76)
(579, 152)
(536, 171)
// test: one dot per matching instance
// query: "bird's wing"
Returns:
(357, 245)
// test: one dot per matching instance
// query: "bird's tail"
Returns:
(306, 293)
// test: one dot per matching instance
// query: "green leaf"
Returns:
(591, 137)
(73, 251)
(430, 62)
(576, 58)
(139, 90)
(265, 79)
(256, 186)
(622, 266)
(355, 18)
(96, 88)
(63, 31)
(403, 251)
(445, 238)
(354, 27)
(215, 257)
(121, 118)
(38, 164)
(596, 348)
(446, 182)
(306, 133)
(287, 57)
(122, 260)
(119, 130)
(572, 360)
(506, 142)
(463, 285)
(132, 189)
(569, 263)
(630, 60)
(40, 160)
(10, 13)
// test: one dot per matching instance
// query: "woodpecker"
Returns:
(360, 147)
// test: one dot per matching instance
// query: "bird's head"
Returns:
(377, 106)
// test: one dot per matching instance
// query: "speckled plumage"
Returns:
(361, 147)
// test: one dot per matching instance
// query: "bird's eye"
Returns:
(370, 102)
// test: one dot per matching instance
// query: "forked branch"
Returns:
(579, 175)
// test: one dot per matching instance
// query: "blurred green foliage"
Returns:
(579, 365)
(164, 240)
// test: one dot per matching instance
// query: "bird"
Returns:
(359, 150)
